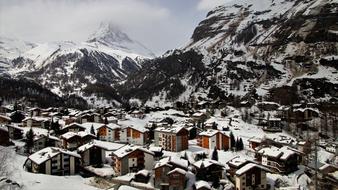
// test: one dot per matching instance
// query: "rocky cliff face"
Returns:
(252, 47)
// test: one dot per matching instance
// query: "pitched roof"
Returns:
(201, 183)
(249, 166)
(47, 153)
(175, 129)
(40, 119)
(143, 172)
(134, 123)
(206, 163)
(5, 117)
(108, 146)
(212, 132)
(88, 125)
(71, 134)
(177, 170)
(127, 149)
(74, 124)
(113, 126)
(283, 153)
(238, 161)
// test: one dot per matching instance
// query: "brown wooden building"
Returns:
(173, 139)
(214, 138)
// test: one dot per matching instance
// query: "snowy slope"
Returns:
(10, 49)
(111, 36)
(250, 47)
(66, 67)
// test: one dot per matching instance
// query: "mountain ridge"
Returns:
(252, 47)
(66, 67)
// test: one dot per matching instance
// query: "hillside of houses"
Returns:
(196, 146)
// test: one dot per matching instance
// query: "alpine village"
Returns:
(249, 103)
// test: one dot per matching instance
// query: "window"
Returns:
(253, 179)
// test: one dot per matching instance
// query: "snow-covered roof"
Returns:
(127, 149)
(268, 103)
(283, 153)
(5, 117)
(174, 129)
(334, 174)
(255, 139)
(70, 134)
(155, 149)
(53, 138)
(33, 109)
(328, 166)
(249, 166)
(74, 124)
(88, 125)
(206, 163)
(274, 119)
(169, 161)
(305, 109)
(108, 146)
(3, 128)
(38, 137)
(209, 133)
(201, 183)
(113, 126)
(283, 108)
(136, 112)
(238, 161)
(212, 132)
(134, 123)
(198, 114)
(271, 152)
(177, 170)
(111, 118)
(39, 119)
(47, 153)
(15, 127)
(302, 142)
(143, 172)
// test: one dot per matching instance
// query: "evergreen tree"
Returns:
(97, 136)
(56, 127)
(241, 145)
(92, 131)
(232, 141)
(17, 117)
(29, 140)
(214, 125)
(237, 144)
(105, 120)
(214, 154)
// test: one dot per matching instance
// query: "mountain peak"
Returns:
(108, 33)
(111, 35)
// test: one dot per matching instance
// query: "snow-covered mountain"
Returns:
(10, 49)
(283, 50)
(108, 57)
(110, 36)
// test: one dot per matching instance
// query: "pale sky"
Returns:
(158, 24)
